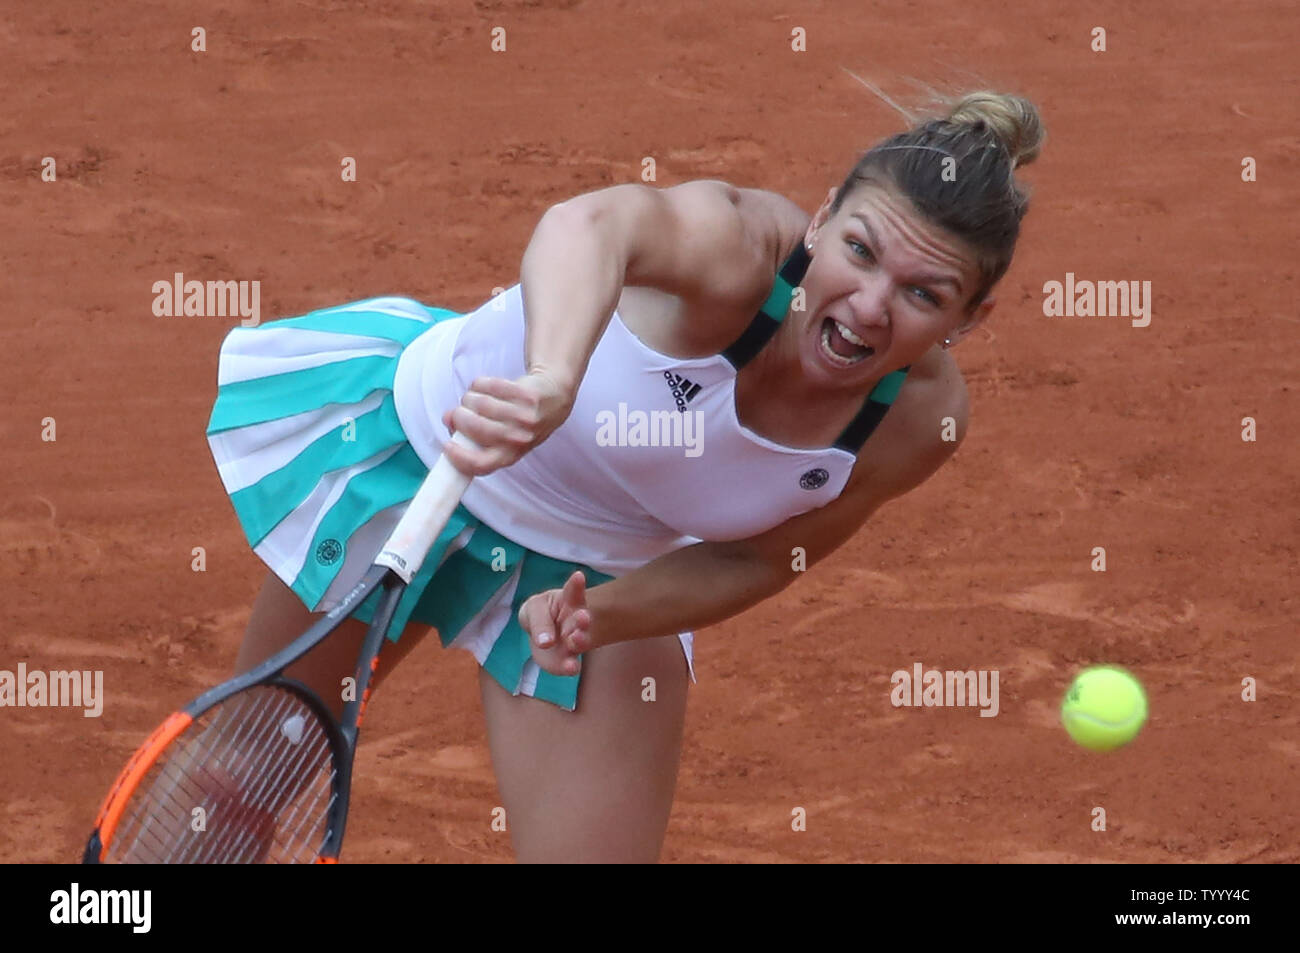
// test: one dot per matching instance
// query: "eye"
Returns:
(855, 245)
(925, 296)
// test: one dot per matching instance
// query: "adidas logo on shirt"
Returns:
(683, 390)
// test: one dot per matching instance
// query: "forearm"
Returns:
(681, 591)
(572, 277)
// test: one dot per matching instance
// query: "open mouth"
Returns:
(842, 346)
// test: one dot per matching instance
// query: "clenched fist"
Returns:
(506, 419)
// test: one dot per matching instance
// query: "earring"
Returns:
(947, 343)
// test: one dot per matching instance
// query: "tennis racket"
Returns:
(258, 769)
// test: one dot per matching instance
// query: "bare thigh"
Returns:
(593, 785)
(279, 617)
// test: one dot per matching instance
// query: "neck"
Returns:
(774, 399)
(776, 370)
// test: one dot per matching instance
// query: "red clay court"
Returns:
(1086, 431)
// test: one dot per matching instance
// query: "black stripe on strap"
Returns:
(873, 411)
(772, 312)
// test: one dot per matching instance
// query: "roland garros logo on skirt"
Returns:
(328, 552)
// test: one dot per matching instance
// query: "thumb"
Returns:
(537, 618)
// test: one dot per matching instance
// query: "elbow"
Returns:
(566, 218)
(591, 210)
(589, 229)
(768, 572)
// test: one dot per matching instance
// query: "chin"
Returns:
(816, 368)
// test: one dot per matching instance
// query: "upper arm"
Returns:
(916, 450)
(700, 239)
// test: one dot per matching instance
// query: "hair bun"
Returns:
(1012, 120)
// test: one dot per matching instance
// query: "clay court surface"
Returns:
(1085, 431)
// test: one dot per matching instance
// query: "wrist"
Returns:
(564, 385)
(599, 629)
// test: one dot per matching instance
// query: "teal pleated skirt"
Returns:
(310, 449)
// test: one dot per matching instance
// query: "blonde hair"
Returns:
(1013, 121)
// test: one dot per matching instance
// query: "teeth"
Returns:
(830, 352)
(849, 335)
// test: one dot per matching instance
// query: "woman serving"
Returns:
(810, 352)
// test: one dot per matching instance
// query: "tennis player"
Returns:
(688, 385)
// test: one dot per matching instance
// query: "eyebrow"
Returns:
(932, 279)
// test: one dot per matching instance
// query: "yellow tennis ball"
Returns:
(1104, 708)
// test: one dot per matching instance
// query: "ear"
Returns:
(972, 320)
(821, 216)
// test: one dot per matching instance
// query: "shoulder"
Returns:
(774, 221)
(699, 257)
(940, 393)
(699, 221)
(766, 222)
(700, 240)
(921, 431)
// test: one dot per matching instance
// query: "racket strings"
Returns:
(251, 781)
(257, 780)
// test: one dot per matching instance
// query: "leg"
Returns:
(594, 785)
(279, 617)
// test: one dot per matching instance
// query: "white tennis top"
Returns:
(652, 457)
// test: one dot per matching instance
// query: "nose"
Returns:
(870, 302)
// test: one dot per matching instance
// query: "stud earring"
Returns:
(947, 343)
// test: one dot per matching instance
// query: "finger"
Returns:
(573, 621)
(576, 632)
(557, 660)
(486, 431)
(575, 590)
(512, 413)
(552, 605)
(475, 461)
(576, 620)
(535, 619)
(557, 666)
(503, 389)
(492, 434)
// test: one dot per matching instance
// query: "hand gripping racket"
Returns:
(258, 769)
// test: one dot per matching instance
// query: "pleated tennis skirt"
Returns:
(308, 444)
